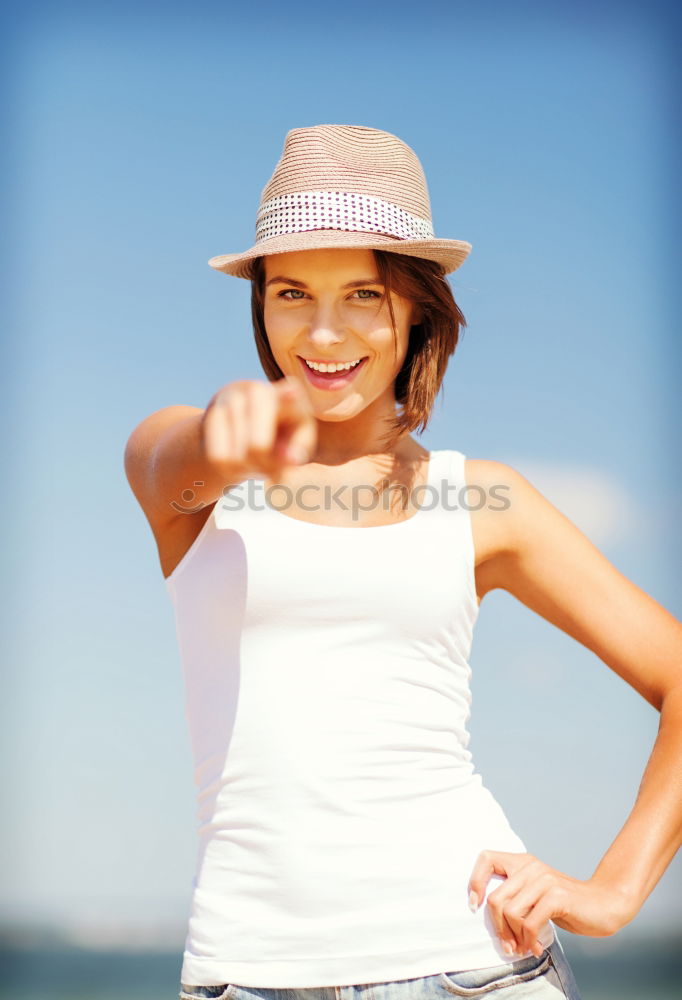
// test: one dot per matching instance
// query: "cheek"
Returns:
(278, 330)
(392, 345)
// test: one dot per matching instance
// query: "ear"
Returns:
(417, 315)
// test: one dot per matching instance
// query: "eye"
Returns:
(370, 292)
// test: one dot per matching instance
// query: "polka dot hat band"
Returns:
(345, 186)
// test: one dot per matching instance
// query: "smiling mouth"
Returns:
(331, 379)
(314, 361)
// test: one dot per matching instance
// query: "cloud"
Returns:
(597, 503)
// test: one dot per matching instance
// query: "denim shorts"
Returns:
(548, 977)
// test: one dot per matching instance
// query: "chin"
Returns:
(335, 416)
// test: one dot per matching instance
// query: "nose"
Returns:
(325, 327)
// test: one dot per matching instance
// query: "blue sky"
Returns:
(140, 141)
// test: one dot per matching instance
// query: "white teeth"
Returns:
(346, 366)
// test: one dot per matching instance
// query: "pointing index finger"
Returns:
(298, 421)
(294, 402)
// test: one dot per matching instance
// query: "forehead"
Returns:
(330, 264)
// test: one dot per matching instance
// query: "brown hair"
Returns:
(431, 342)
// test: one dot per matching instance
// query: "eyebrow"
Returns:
(302, 284)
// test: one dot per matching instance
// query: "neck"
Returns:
(364, 436)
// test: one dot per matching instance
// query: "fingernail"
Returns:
(473, 901)
(507, 948)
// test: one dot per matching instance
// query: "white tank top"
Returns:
(327, 697)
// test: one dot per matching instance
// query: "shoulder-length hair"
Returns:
(431, 342)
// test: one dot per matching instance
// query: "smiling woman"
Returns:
(345, 837)
(433, 330)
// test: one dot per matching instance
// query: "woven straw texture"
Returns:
(352, 159)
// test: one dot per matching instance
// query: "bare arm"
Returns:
(544, 560)
(180, 459)
(166, 464)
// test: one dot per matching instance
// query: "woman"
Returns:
(345, 839)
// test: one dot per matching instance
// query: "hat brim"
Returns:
(449, 253)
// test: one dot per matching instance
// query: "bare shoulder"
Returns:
(486, 473)
(158, 466)
(496, 493)
(503, 504)
(141, 461)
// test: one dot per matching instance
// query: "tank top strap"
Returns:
(455, 500)
(456, 472)
(447, 481)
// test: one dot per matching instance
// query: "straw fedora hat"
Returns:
(345, 186)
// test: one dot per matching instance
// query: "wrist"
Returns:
(623, 900)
